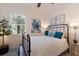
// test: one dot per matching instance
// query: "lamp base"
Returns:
(4, 49)
(75, 41)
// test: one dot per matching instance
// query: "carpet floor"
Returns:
(12, 52)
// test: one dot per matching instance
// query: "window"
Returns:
(17, 23)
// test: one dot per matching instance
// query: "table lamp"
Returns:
(75, 26)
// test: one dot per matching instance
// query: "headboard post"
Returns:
(67, 33)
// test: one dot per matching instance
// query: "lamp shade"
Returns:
(45, 25)
(74, 24)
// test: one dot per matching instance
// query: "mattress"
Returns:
(47, 46)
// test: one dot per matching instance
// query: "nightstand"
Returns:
(74, 49)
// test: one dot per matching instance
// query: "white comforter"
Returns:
(47, 46)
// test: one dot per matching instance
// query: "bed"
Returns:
(45, 45)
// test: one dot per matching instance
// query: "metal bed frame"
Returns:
(27, 52)
(25, 46)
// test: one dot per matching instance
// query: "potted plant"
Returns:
(5, 29)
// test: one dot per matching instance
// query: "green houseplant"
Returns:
(5, 29)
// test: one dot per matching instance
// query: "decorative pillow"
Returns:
(58, 35)
(46, 33)
(51, 34)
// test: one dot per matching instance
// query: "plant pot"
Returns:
(4, 49)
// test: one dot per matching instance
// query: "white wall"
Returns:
(71, 12)
(44, 13)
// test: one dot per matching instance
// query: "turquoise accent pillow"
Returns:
(51, 34)
(46, 33)
(58, 35)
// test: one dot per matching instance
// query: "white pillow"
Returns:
(50, 33)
